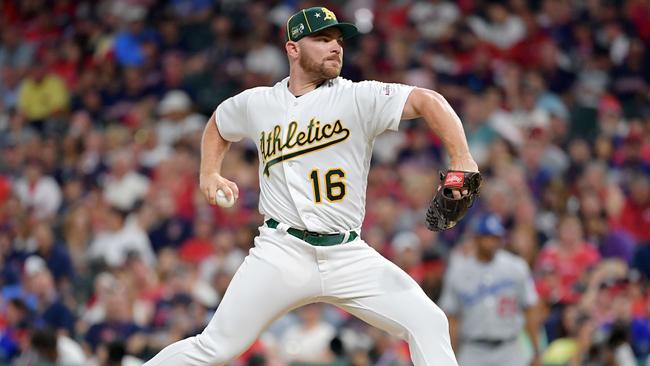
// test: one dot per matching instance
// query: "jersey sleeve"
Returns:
(232, 117)
(527, 292)
(449, 301)
(381, 105)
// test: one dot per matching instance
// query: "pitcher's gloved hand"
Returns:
(446, 209)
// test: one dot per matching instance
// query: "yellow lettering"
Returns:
(302, 138)
(277, 140)
(270, 147)
(325, 129)
(338, 127)
(312, 137)
(262, 149)
(291, 133)
(273, 142)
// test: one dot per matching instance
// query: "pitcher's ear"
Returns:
(292, 48)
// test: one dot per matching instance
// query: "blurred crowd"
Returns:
(109, 252)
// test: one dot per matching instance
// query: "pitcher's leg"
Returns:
(374, 289)
(412, 316)
(266, 286)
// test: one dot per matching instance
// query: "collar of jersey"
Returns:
(285, 86)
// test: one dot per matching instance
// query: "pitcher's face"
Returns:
(321, 54)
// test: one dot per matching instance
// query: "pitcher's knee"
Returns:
(430, 323)
(217, 351)
(441, 318)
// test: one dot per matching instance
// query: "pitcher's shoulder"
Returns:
(343, 82)
(259, 90)
(358, 84)
(363, 87)
(375, 87)
(252, 92)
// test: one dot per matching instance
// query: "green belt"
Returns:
(316, 239)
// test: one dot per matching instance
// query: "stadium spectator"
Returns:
(49, 310)
(55, 255)
(38, 192)
(564, 262)
(42, 95)
(117, 238)
(308, 341)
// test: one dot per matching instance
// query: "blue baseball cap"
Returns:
(489, 225)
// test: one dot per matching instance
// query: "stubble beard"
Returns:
(320, 70)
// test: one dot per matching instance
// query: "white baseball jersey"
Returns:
(315, 149)
(314, 155)
(489, 297)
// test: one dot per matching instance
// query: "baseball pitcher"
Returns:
(315, 132)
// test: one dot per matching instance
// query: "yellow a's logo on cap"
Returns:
(329, 15)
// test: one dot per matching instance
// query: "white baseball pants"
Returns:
(282, 273)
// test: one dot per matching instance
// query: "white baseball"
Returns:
(223, 201)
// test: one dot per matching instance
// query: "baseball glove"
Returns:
(445, 210)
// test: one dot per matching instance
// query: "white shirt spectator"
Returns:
(44, 197)
(151, 158)
(177, 119)
(228, 263)
(503, 35)
(433, 19)
(624, 355)
(268, 60)
(95, 312)
(555, 159)
(502, 122)
(70, 352)
(125, 191)
(307, 345)
(527, 119)
(113, 247)
(169, 132)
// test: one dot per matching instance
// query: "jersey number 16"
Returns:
(334, 185)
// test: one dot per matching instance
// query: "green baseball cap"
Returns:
(312, 20)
